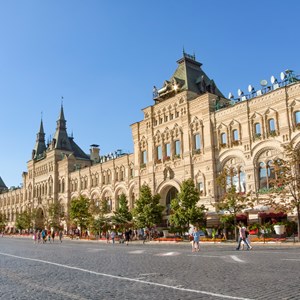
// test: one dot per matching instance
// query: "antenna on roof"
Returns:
(240, 92)
(273, 79)
(250, 88)
(263, 82)
(230, 96)
(282, 76)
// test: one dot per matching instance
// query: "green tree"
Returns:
(148, 210)
(122, 216)
(24, 220)
(99, 220)
(3, 221)
(232, 202)
(79, 212)
(286, 191)
(55, 214)
(184, 209)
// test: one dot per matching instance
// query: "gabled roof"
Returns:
(77, 151)
(2, 184)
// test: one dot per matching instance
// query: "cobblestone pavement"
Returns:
(93, 270)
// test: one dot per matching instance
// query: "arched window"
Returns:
(172, 193)
(201, 188)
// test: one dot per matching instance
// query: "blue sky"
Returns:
(104, 57)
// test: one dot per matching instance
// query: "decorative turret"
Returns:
(61, 137)
(40, 146)
(188, 77)
(61, 140)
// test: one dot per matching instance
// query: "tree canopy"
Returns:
(79, 212)
(24, 220)
(148, 210)
(184, 209)
(122, 215)
(286, 191)
(3, 221)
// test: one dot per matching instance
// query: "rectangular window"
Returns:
(257, 128)
(223, 139)
(177, 147)
(168, 149)
(271, 125)
(297, 117)
(197, 141)
(159, 152)
(144, 157)
(235, 134)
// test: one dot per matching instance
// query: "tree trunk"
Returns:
(298, 217)
(235, 229)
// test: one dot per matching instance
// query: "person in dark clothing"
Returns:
(127, 236)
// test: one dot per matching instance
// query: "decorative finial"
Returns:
(62, 100)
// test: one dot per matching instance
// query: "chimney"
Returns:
(95, 153)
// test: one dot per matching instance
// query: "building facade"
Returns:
(191, 131)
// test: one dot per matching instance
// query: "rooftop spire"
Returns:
(61, 136)
(40, 145)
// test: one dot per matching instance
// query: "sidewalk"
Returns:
(286, 242)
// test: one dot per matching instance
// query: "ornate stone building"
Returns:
(191, 131)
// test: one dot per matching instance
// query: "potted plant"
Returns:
(279, 228)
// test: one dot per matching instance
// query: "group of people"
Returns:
(42, 236)
(111, 236)
(243, 239)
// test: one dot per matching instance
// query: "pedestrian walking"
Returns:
(44, 236)
(60, 234)
(34, 236)
(113, 235)
(107, 237)
(53, 236)
(242, 237)
(196, 239)
(127, 236)
(39, 236)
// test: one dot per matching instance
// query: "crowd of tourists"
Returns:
(44, 236)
